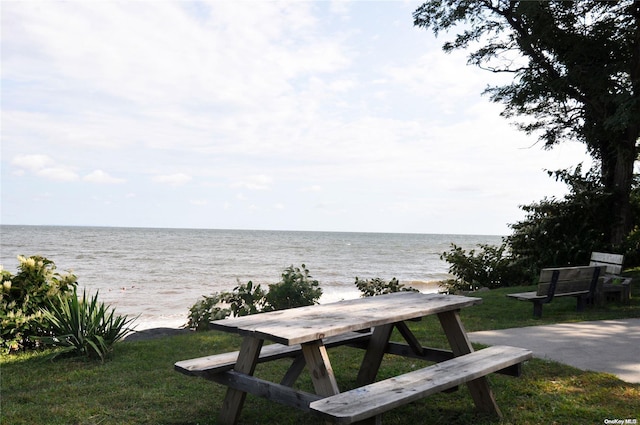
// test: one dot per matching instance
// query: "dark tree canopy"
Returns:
(576, 75)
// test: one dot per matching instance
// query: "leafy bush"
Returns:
(296, 289)
(491, 267)
(632, 249)
(555, 232)
(563, 232)
(377, 286)
(245, 299)
(206, 310)
(84, 326)
(37, 286)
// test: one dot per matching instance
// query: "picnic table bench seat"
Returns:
(209, 365)
(579, 282)
(374, 399)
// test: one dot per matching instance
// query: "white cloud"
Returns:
(255, 182)
(58, 174)
(312, 188)
(43, 166)
(176, 179)
(99, 176)
(32, 162)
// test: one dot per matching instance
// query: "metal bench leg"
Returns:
(537, 310)
(580, 303)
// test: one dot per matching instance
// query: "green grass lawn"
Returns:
(139, 386)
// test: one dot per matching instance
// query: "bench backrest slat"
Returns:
(612, 262)
(570, 279)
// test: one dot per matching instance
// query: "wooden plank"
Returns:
(226, 361)
(374, 354)
(460, 345)
(575, 286)
(324, 381)
(527, 296)
(410, 338)
(567, 273)
(305, 324)
(612, 263)
(294, 371)
(428, 354)
(455, 333)
(570, 279)
(614, 269)
(246, 364)
(259, 387)
(377, 398)
(530, 296)
(436, 355)
(607, 258)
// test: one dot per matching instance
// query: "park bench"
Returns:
(372, 400)
(579, 282)
(613, 285)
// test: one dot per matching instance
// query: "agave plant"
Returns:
(85, 326)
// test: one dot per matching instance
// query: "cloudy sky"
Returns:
(294, 115)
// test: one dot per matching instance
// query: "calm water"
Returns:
(159, 273)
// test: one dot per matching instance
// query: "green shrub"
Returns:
(564, 232)
(23, 297)
(377, 286)
(245, 299)
(206, 310)
(491, 267)
(84, 326)
(631, 249)
(296, 289)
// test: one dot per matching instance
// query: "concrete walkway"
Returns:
(611, 346)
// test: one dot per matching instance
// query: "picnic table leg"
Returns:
(247, 360)
(373, 356)
(460, 345)
(294, 371)
(317, 359)
(371, 363)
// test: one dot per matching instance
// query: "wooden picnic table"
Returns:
(305, 333)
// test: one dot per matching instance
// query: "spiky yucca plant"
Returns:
(85, 326)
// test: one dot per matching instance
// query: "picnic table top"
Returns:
(311, 323)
